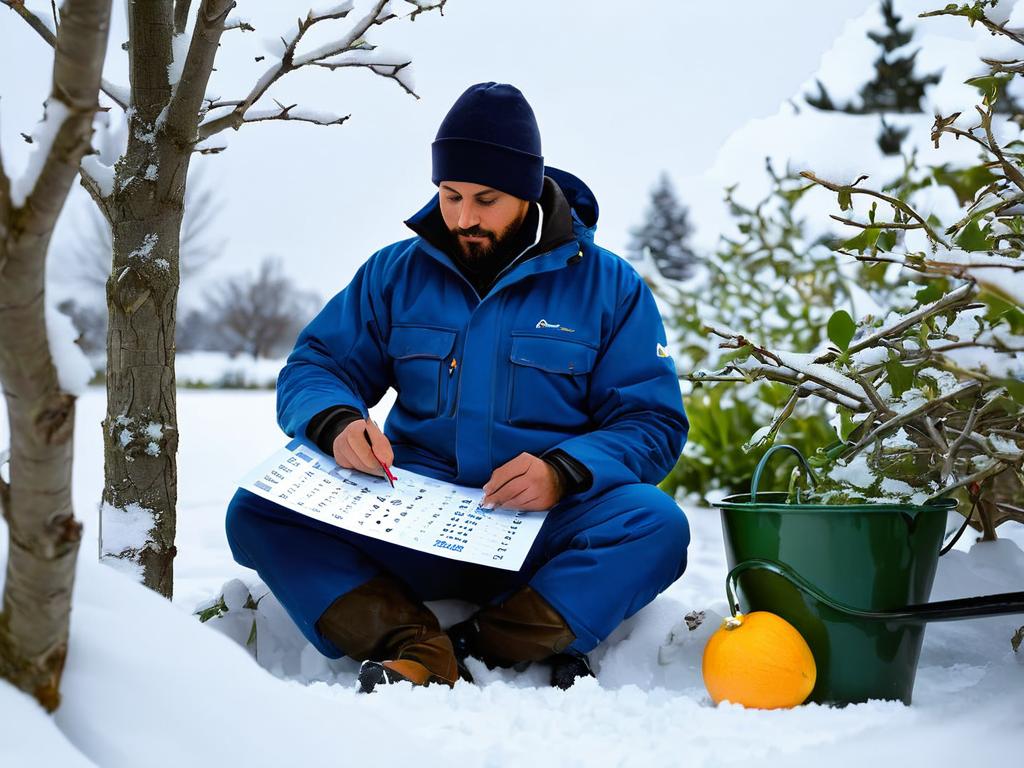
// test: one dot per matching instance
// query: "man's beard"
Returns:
(474, 252)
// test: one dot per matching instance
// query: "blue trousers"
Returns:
(597, 563)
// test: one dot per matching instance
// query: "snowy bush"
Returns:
(929, 392)
(773, 276)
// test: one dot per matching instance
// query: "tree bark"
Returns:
(140, 432)
(44, 535)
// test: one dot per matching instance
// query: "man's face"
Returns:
(479, 217)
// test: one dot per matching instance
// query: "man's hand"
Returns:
(527, 482)
(352, 451)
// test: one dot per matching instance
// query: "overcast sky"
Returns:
(622, 90)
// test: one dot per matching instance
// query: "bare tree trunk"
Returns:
(140, 432)
(44, 535)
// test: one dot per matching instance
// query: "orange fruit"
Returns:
(758, 660)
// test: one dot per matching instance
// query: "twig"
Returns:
(876, 224)
(352, 41)
(894, 202)
(983, 474)
(991, 26)
(373, 67)
(44, 32)
(908, 416)
(284, 113)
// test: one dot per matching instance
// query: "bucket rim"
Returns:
(741, 502)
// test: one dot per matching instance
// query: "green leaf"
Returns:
(964, 183)
(901, 377)
(1015, 387)
(999, 309)
(887, 240)
(845, 200)
(214, 611)
(973, 238)
(734, 355)
(931, 292)
(841, 329)
(864, 241)
(989, 85)
(846, 425)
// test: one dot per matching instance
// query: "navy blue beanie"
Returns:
(490, 137)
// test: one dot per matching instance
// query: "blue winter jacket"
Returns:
(566, 351)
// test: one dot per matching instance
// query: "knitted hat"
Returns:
(490, 137)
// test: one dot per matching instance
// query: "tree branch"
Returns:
(77, 69)
(897, 204)
(907, 417)
(353, 40)
(181, 8)
(112, 91)
(991, 26)
(183, 115)
(150, 28)
(390, 71)
(285, 113)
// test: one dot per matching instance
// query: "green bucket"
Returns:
(854, 580)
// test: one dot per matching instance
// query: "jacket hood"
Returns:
(581, 199)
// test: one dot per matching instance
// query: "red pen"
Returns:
(391, 478)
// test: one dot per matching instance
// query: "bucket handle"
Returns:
(756, 480)
(945, 610)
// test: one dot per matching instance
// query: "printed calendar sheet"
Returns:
(419, 512)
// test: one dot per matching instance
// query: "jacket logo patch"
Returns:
(542, 323)
(662, 352)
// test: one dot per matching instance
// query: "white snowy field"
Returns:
(147, 684)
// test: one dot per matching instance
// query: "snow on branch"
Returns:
(349, 50)
(291, 113)
(117, 93)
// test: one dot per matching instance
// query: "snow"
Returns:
(102, 174)
(74, 371)
(803, 363)
(145, 250)
(43, 136)
(179, 52)
(218, 368)
(145, 678)
(126, 528)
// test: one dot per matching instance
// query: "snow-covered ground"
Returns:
(147, 684)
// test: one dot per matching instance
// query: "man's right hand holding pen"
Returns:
(362, 446)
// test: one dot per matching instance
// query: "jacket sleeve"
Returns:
(339, 359)
(634, 399)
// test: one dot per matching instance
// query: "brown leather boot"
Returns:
(395, 636)
(523, 628)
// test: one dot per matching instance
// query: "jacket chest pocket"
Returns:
(418, 354)
(548, 382)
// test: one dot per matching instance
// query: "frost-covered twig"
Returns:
(975, 14)
(983, 474)
(951, 299)
(897, 204)
(389, 71)
(908, 416)
(114, 92)
(876, 224)
(324, 56)
(286, 113)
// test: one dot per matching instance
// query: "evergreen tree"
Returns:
(664, 233)
(895, 87)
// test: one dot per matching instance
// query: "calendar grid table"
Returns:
(420, 512)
